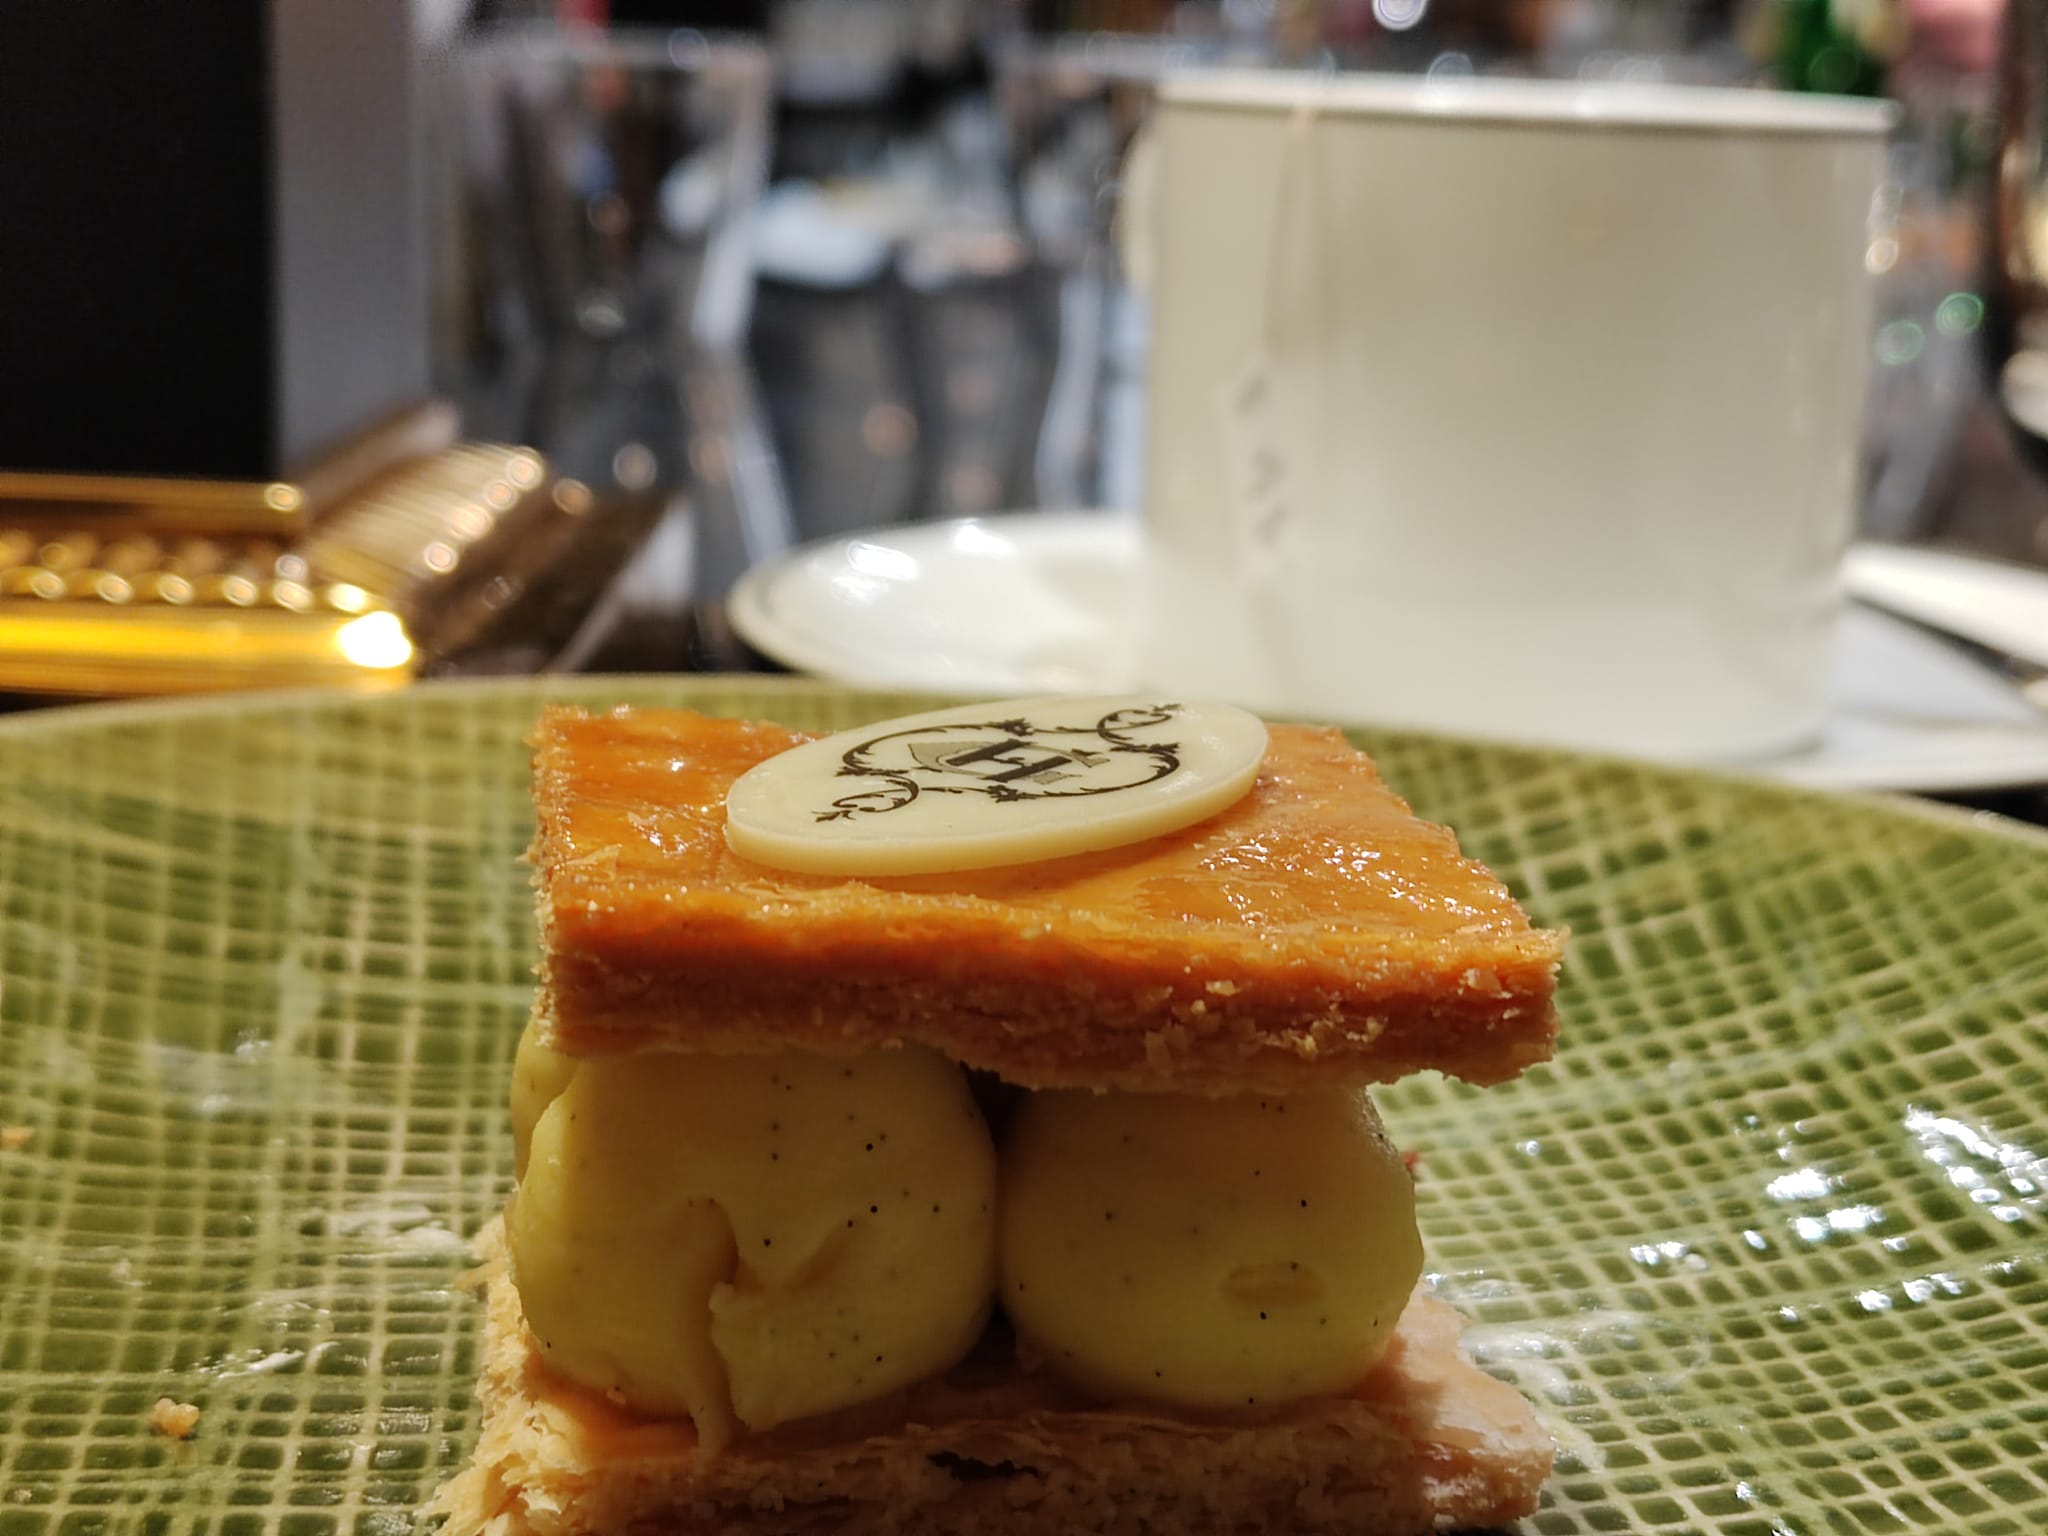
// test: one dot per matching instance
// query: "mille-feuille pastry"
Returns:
(959, 1125)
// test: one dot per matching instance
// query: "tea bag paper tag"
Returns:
(1264, 401)
(1264, 477)
(984, 785)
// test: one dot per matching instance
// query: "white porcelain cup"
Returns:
(1527, 409)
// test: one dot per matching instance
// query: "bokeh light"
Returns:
(376, 640)
(1960, 314)
(1900, 342)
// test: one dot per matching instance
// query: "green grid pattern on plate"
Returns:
(1765, 1245)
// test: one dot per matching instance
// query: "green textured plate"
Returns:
(1765, 1245)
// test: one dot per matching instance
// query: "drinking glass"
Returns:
(1071, 109)
(2017, 284)
(608, 179)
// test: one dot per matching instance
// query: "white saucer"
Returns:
(1046, 602)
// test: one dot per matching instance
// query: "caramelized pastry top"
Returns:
(1315, 930)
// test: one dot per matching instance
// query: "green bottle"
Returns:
(1837, 47)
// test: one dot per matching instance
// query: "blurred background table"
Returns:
(755, 272)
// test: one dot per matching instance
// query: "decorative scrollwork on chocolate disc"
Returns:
(1007, 761)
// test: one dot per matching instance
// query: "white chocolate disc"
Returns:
(983, 785)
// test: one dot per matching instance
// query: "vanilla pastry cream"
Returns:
(1209, 1252)
(750, 1240)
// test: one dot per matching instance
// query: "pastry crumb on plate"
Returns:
(174, 1420)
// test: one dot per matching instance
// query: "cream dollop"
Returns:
(756, 1239)
(1214, 1253)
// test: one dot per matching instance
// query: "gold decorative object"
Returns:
(411, 565)
(276, 508)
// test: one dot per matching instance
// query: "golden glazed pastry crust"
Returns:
(1426, 1442)
(1315, 933)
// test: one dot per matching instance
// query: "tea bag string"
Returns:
(1289, 314)
(1294, 317)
